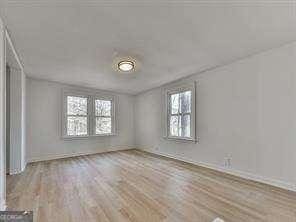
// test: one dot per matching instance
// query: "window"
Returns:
(87, 114)
(77, 116)
(103, 116)
(180, 113)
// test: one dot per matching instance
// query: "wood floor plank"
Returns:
(136, 186)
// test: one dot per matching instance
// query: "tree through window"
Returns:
(88, 114)
(180, 114)
(103, 116)
(77, 113)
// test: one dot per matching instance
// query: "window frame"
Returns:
(178, 90)
(91, 117)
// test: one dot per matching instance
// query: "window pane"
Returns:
(76, 105)
(174, 103)
(185, 126)
(103, 108)
(76, 126)
(103, 125)
(174, 126)
(185, 100)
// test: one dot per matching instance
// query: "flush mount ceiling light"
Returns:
(126, 66)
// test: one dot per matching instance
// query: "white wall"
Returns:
(2, 117)
(245, 111)
(44, 113)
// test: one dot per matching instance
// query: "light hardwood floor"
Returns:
(136, 186)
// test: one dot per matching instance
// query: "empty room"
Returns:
(147, 111)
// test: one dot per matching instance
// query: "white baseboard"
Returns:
(2, 206)
(67, 155)
(13, 172)
(238, 173)
(24, 166)
(17, 171)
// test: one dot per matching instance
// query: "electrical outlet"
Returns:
(227, 162)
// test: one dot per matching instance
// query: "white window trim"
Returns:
(178, 89)
(91, 124)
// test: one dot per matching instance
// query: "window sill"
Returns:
(87, 137)
(182, 139)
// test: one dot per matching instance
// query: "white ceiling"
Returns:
(77, 41)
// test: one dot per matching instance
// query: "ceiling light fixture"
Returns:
(126, 66)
